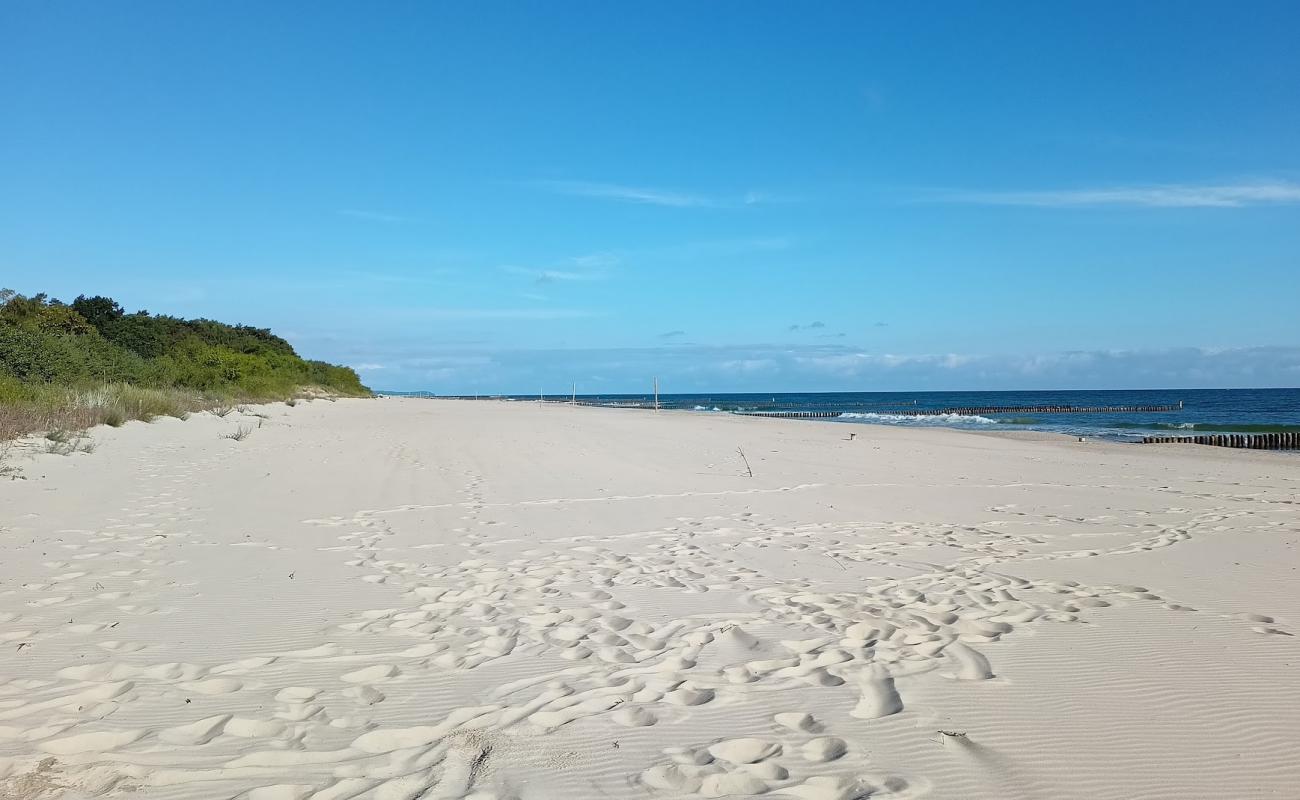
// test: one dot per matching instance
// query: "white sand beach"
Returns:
(404, 598)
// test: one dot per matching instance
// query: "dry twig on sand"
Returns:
(748, 470)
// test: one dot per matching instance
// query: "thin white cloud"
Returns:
(553, 275)
(372, 216)
(630, 194)
(595, 260)
(754, 198)
(481, 366)
(656, 197)
(1170, 195)
(748, 365)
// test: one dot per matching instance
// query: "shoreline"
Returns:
(1018, 435)
(376, 597)
(1259, 414)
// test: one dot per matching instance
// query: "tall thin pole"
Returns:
(573, 401)
(656, 393)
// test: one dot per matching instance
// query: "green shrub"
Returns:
(89, 362)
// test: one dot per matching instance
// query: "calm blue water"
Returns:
(1204, 410)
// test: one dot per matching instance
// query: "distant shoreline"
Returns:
(1089, 413)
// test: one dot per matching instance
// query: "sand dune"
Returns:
(442, 599)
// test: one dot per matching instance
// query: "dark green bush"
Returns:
(93, 341)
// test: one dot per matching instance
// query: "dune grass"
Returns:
(71, 366)
(56, 411)
(8, 470)
(239, 434)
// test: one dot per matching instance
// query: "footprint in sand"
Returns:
(98, 742)
(364, 695)
(195, 733)
(373, 674)
(635, 717)
(878, 698)
(296, 694)
(744, 751)
(213, 686)
(796, 721)
(826, 748)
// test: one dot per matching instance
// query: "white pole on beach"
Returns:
(656, 394)
(573, 401)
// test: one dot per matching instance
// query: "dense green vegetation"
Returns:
(91, 350)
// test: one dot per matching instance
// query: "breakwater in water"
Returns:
(790, 414)
(972, 411)
(1250, 441)
(1123, 415)
(968, 411)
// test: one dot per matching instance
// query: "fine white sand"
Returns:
(437, 599)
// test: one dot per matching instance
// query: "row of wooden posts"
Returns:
(971, 410)
(790, 414)
(1253, 441)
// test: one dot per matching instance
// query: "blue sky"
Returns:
(484, 197)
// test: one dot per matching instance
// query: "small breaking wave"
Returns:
(907, 419)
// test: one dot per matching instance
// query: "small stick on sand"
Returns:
(748, 469)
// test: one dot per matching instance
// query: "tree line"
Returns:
(94, 341)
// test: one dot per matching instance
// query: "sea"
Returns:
(1201, 411)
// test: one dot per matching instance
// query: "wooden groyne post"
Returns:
(1284, 440)
(790, 414)
(969, 411)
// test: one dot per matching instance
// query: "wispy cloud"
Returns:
(657, 197)
(372, 216)
(545, 276)
(595, 260)
(629, 194)
(590, 267)
(1169, 195)
(671, 334)
(684, 367)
